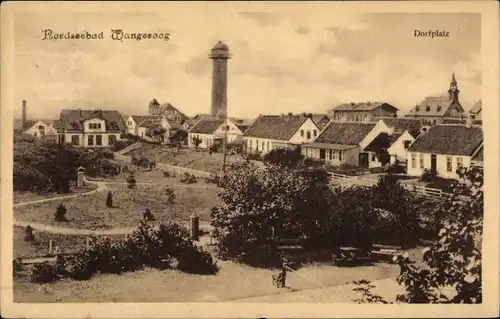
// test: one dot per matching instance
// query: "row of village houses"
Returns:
(436, 134)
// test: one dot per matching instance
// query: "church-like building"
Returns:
(441, 109)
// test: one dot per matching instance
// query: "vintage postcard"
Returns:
(249, 159)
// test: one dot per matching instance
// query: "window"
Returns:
(413, 160)
(90, 141)
(333, 154)
(263, 145)
(422, 161)
(112, 139)
(250, 144)
(330, 153)
(129, 123)
(472, 117)
(99, 125)
(41, 127)
(449, 164)
(460, 162)
(301, 133)
(407, 144)
(374, 158)
(75, 139)
(268, 146)
(257, 145)
(340, 156)
(98, 140)
(315, 133)
(142, 134)
(308, 134)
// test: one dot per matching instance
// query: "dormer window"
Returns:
(417, 108)
(439, 108)
(427, 108)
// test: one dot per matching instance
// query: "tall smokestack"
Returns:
(24, 114)
(219, 55)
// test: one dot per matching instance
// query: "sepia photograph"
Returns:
(300, 159)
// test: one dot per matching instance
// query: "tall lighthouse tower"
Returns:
(219, 55)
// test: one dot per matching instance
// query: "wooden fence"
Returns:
(348, 181)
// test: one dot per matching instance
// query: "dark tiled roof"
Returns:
(337, 147)
(242, 127)
(479, 156)
(170, 107)
(361, 106)
(382, 141)
(477, 107)
(434, 106)
(73, 119)
(449, 139)
(203, 116)
(138, 119)
(404, 124)
(275, 127)
(344, 133)
(320, 120)
(206, 126)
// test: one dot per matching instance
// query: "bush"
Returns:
(188, 179)
(214, 178)
(170, 193)
(17, 265)
(109, 200)
(131, 181)
(29, 234)
(148, 216)
(428, 176)
(60, 215)
(122, 144)
(107, 154)
(166, 174)
(82, 266)
(396, 169)
(141, 161)
(44, 273)
(195, 261)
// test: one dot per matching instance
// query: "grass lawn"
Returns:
(186, 157)
(233, 282)
(29, 196)
(91, 212)
(40, 246)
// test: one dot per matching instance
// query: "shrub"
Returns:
(148, 215)
(109, 200)
(214, 178)
(82, 266)
(141, 161)
(428, 176)
(284, 157)
(396, 169)
(29, 234)
(195, 261)
(170, 193)
(131, 181)
(166, 174)
(122, 144)
(44, 273)
(60, 215)
(17, 265)
(188, 179)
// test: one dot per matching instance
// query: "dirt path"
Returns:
(101, 186)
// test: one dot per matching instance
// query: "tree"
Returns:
(403, 207)
(60, 214)
(383, 157)
(131, 180)
(109, 200)
(262, 202)
(196, 141)
(284, 157)
(454, 259)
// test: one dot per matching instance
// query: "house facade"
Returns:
(204, 131)
(398, 147)
(344, 143)
(363, 111)
(269, 132)
(441, 109)
(40, 129)
(90, 128)
(444, 149)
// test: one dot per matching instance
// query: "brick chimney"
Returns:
(24, 111)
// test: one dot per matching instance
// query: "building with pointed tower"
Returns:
(441, 109)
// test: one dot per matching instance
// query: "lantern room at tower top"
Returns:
(220, 51)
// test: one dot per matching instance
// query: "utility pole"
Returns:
(223, 164)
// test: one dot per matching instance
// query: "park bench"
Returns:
(351, 256)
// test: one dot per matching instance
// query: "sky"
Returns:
(281, 61)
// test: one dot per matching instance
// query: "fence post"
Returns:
(50, 246)
(87, 242)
